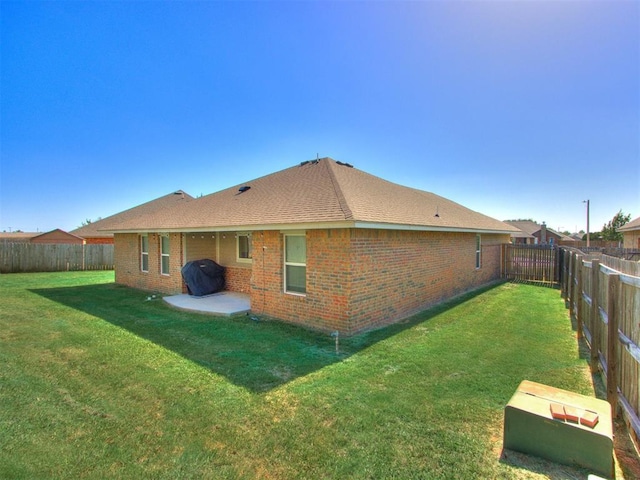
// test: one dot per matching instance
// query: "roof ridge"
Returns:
(342, 201)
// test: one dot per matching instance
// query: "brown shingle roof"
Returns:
(317, 194)
(166, 202)
(527, 228)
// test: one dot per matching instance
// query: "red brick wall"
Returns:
(360, 279)
(399, 273)
(127, 263)
(99, 240)
(238, 279)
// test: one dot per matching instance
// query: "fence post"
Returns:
(572, 283)
(595, 314)
(578, 296)
(612, 343)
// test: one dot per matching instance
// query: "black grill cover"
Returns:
(203, 277)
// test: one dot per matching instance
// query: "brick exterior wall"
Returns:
(357, 279)
(128, 264)
(360, 279)
(99, 240)
(238, 279)
(399, 273)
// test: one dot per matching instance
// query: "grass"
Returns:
(97, 381)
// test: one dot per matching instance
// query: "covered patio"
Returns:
(223, 303)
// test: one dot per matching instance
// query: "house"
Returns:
(53, 236)
(320, 244)
(530, 233)
(92, 235)
(17, 237)
(58, 236)
(631, 234)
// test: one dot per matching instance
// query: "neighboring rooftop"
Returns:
(315, 194)
(528, 228)
(18, 237)
(629, 226)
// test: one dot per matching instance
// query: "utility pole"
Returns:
(587, 202)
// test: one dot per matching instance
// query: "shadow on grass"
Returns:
(257, 355)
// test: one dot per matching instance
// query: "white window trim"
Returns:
(162, 255)
(144, 253)
(243, 260)
(293, 264)
(478, 251)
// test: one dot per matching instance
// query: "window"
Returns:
(144, 253)
(478, 252)
(164, 255)
(295, 264)
(244, 247)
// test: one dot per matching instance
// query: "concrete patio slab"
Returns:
(222, 303)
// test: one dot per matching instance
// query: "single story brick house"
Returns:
(631, 234)
(320, 244)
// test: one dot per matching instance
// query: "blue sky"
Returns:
(514, 109)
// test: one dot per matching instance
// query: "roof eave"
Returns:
(318, 226)
(429, 228)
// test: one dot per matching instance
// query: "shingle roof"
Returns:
(528, 228)
(320, 193)
(632, 225)
(18, 236)
(166, 202)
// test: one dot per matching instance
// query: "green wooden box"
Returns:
(530, 428)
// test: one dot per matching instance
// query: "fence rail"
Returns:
(33, 257)
(604, 300)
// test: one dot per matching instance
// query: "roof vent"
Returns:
(244, 189)
(344, 164)
(307, 162)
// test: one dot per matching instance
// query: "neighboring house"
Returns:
(91, 234)
(54, 236)
(320, 244)
(631, 234)
(17, 237)
(530, 233)
(58, 236)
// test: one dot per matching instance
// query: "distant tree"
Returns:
(610, 229)
(592, 236)
(88, 221)
(521, 220)
(567, 233)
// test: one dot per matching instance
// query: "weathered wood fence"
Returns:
(33, 257)
(537, 264)
(603, 295)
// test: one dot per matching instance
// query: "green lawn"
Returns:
(97, 381)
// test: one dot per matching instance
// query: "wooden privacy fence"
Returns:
(57, 257)
(531, 264)
(605, 302)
